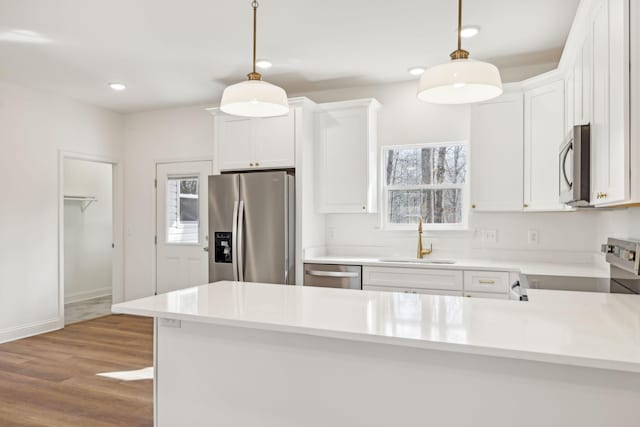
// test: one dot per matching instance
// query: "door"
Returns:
(234, 143)
(497, 129)
(224, 194)
(274, 141)
(544, 133)
(264, 232)
(181, 225)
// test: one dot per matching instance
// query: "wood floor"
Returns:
(50, 380)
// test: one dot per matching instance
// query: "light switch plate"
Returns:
(533, 238)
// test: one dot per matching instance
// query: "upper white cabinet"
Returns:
(346, 157)
(497, 131)
(255, 143)
(544, 132)
(610, 144)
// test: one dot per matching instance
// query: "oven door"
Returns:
(566, 158)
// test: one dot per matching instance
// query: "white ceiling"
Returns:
(179, 52)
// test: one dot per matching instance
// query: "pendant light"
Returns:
(254, 97)
(461, 81)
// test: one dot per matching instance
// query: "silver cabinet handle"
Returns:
(342, 274)
(206, 249)
(234, 242)
(241, 241)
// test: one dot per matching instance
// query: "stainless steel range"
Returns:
(624, 258)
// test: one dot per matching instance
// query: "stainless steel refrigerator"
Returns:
(251, 227)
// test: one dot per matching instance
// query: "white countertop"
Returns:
(524, 267)
(573, 328)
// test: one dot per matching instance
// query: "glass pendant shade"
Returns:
(254, 98)
(460, 81)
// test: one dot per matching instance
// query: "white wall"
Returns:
(34, 126)
(87, 235)
(175, 134)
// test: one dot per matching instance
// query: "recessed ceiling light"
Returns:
(264, 64)
(416, 71)
(117, 86)
(469, 31)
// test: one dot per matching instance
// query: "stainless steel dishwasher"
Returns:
(333, 276)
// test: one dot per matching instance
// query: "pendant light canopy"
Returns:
(461, 81)
(254, 97)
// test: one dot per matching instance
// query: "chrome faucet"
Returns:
(421, 251)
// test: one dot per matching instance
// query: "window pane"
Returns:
(442, 206)
(183, 222)
(436, 164)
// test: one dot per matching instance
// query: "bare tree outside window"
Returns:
(427, 181)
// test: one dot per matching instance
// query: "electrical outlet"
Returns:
(490, 236)
(533, 237)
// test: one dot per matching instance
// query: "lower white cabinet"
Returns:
(413, 278)
(437, 281)
(486, 295)
(412, 290)
(486, 281)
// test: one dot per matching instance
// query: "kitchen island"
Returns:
(247, 354)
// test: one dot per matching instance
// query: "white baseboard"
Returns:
(35, 328)
(85, 295)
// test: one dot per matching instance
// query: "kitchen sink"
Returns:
(418, 261)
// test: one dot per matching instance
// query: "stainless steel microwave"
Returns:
(575, 167)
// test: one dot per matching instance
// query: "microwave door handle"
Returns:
(564, 165)
(234, 242)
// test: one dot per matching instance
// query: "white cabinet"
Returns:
(255, 143)
(346, 157)
(497, 131)
(609, 124)
(486, 281)
(411, 290)
(413, 278)
(486, 295)
(544, 132)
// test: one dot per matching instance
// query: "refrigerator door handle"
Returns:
(234, 242)
(240, 241)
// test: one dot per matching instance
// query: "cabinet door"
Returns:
(413, 278)
(274, 141)
(544, 133)
(610, 146)
(343, 161)
(486, 295)
(497, 131)
(234, 143)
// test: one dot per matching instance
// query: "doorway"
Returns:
(182, 226)
(87, 236)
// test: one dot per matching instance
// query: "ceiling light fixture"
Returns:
(254, 97)
(117, 86)
(461, 81)
(264, 64)
(416, 71)
(469, 31)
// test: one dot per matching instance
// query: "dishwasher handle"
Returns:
(336, 274)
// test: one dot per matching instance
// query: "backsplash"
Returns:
(561, 236)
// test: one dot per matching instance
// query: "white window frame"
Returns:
(385, 189)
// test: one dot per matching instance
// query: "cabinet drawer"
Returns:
(486, 281)
(414, 278)
(486, 295)
(413, 290)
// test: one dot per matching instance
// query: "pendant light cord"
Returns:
(459, 25)
(254, 4)
(459, 53)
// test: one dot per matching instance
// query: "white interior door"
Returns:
(182, 226)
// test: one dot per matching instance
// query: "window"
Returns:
(183, 209)
(427, 180)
